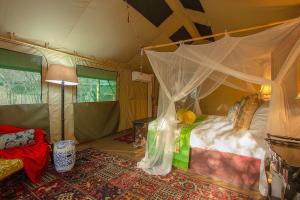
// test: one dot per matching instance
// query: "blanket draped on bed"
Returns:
(35, 156)
(181, 155)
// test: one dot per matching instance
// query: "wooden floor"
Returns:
(109, 145)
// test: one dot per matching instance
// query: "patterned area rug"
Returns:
(99, 175)
(126, 136)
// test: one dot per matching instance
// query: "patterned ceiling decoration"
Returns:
(204, 30)
(192, 4)
(159, 10)
(100, 28)
(155, 11)
(180, 34)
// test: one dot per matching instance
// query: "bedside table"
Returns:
(283, 168)
(140, 130)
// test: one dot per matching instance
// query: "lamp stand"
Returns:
(63, 110)
(63, 150)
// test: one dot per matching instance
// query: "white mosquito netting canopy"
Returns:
(238, 62)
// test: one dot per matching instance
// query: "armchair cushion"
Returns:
(9, 167)
(17, 139)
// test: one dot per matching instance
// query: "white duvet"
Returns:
(216, 133)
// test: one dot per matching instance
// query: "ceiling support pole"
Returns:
(219, 34)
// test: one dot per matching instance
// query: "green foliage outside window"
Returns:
(96, 90)
(19, 87)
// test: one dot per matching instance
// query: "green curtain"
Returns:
(26, 116)
(91, 72)
(20, 61)
(95, 120)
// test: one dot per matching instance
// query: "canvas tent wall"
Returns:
(50, 94)
(112, 37)
(210, 65)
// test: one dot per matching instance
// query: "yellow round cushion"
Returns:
(188, 117)
(180, 112)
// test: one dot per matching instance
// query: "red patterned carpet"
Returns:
(126, 136)
(99, 175)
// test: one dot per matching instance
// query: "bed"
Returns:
(237, 157)
(214, 146)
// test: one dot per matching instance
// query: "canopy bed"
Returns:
(269, 57)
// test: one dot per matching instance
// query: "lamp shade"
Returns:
(61, 74)
(298, 96)
(265, 91)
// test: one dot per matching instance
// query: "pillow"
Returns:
(246, 112)
(185, 116)
(260, 118)
(18, 139)
(233, 111)
(188, 117)
(179, 113)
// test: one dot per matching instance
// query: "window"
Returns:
(96, 85)
(20, 78)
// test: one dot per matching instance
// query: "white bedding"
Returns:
(216, 133)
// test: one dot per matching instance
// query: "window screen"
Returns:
(96, 85)
(20, 78)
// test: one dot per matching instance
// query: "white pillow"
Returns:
(260, 118)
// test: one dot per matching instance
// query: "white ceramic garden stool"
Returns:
(64, 155)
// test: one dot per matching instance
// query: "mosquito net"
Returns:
(268, 57)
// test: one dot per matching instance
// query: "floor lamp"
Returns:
(64, 76)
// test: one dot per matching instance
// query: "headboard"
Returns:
(26, 116)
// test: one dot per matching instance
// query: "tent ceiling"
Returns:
(100, 28)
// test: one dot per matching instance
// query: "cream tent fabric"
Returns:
(51, 93)
(100, 28)
(209, 65)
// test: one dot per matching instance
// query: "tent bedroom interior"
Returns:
(164, 99)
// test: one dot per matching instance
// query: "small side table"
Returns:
(140, 130)
(64, 155)
(283, 165)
